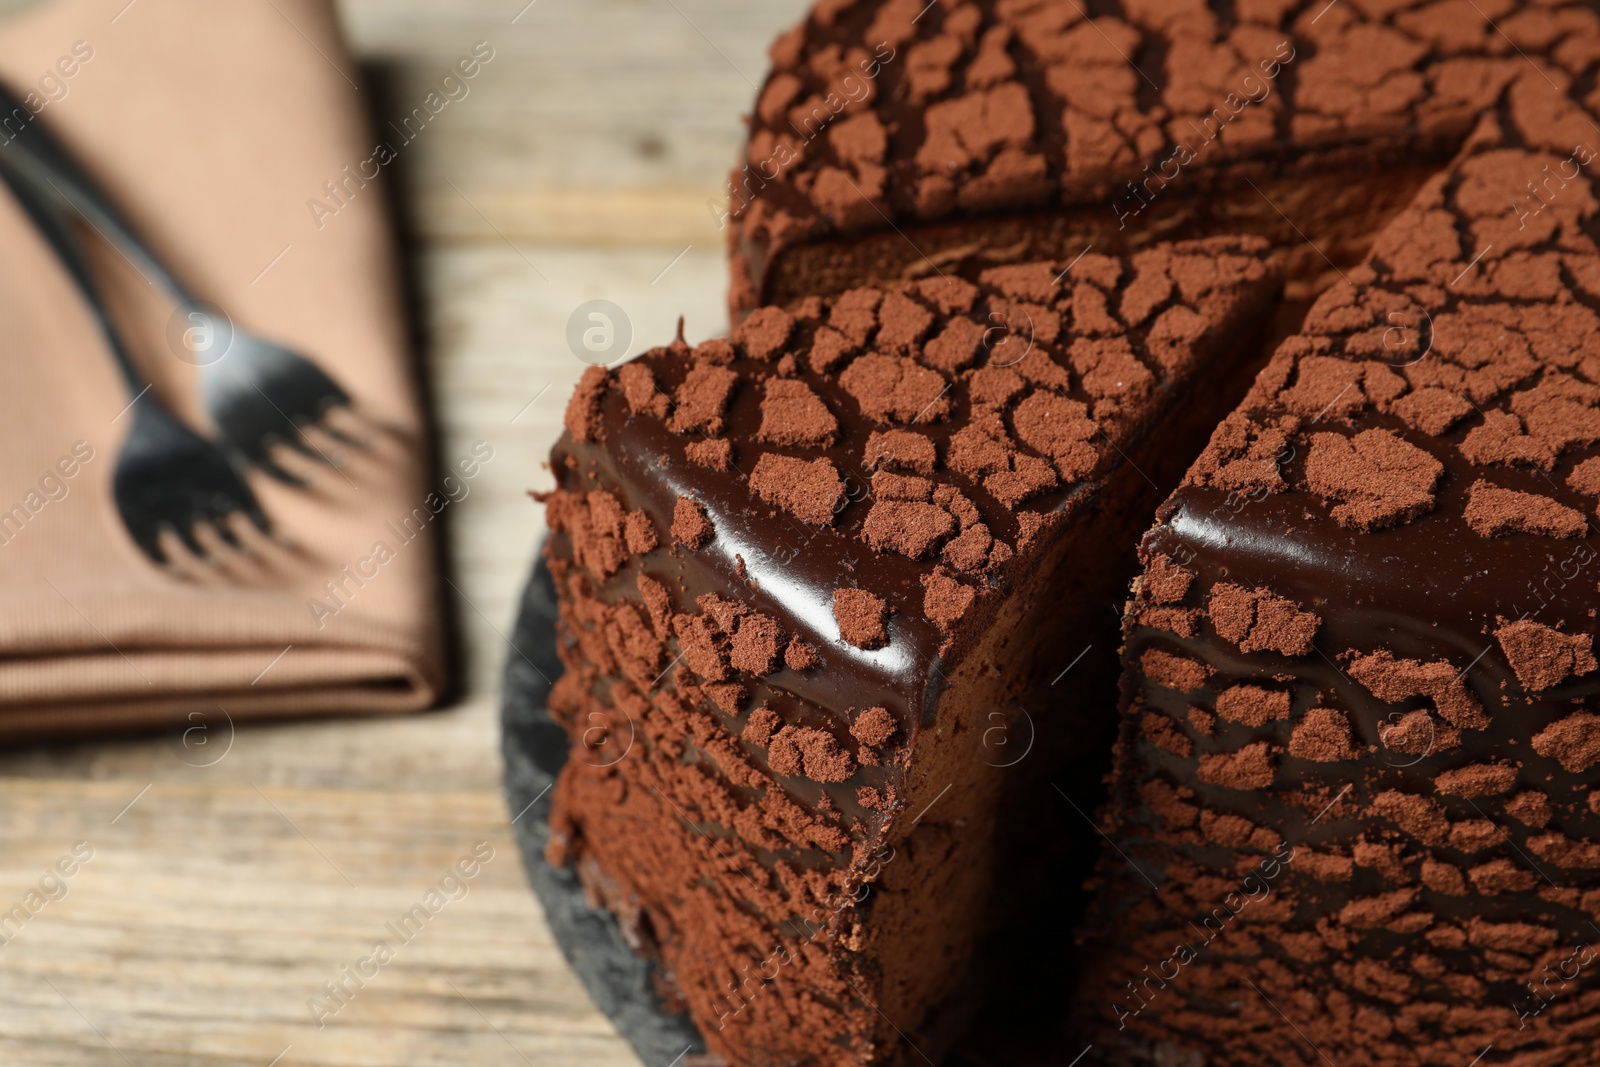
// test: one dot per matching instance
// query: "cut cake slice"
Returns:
(812, 582)
(1355, 806)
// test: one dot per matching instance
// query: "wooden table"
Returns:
(219, 899)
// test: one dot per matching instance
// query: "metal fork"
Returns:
(167, 476)
(257, 392)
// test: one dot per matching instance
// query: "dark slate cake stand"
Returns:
(621, 984)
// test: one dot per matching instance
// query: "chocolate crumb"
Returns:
(1393, 680)
(582, 418)
(862, 618)
(1495, 512)
(639, 390)
(1585, 477)
(1185, 622)
(894, 389)
(969, 551)
(1501, 876)
(1173, 672)
(1443, 878)
(764, 332)
(700, 649)
(1252, 705)
(1165, 581)
(690, 527)
(715, 453)
(874, 727)
(794, 416)
(815, 753)
(902, 322)
(799, 656)
(1500, 439)
(811, 492)
(640, 533)
(1573, 742)
(658, 602)
(956, 346)
(886, 486)
(1416, 733)
(729, 696)
(1544, 657)
(755, 644)
(760, 727)
(945, 600)
(1379, 479)
(1060, 428)
(1249, 768)
(914, 530)
(701, 399)
(1477, 780)
(783, 752)
(1322, 735)
(1531, 808)
(899, 450)
(1433, 411)
(1164, 733)
(870, 798)
(1258, 620)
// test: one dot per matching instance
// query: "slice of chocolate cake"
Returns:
(800, 623)
(1355, 807)
(897, 138)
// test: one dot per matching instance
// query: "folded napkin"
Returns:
(215, 127)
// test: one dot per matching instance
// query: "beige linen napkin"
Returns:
(214, 126)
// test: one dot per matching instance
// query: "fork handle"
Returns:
(57, 231)
(35, 152)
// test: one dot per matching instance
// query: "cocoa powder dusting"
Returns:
(862, 618)
(874, 726)
(1378, 478)
(715, 453)
(1542, 656)
(811, 492)
(1495, 512)
(690, 527)
(1574, 742)
(1258, 620)
(793, 414)
(799, 656)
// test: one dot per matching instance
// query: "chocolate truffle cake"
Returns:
(999, 268)
(898, 138)
(1354, 807)
(794, 580)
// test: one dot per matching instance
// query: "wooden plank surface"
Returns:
(219, 898)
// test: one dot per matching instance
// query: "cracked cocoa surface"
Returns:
(1413, 470)
(907, 115)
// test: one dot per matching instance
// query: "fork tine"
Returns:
(301, 444)
(258, 518)
(186, 534)
(225, 530)
(149, 542)
(287, 477)
(342, 437)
